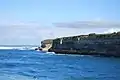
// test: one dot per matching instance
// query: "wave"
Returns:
(18, 48)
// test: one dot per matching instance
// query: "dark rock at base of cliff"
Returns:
(38, 49)
(75, 52)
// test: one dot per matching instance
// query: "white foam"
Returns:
(50, 52)
(18, 48)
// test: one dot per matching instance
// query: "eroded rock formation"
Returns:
(46, 44)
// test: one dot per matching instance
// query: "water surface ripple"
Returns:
(33, 65)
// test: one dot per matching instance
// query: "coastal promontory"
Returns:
(91, 44)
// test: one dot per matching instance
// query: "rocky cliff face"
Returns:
(46, 44)
(92, 44)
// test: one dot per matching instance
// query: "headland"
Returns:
(91, 44)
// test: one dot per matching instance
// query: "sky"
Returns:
(28, 22)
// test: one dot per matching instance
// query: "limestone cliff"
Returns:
(46, 44)
(92, 44)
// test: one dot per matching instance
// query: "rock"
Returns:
(92, 44)
(46, 44)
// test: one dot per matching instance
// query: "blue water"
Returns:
(34, 65)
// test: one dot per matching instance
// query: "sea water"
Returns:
(27, 64)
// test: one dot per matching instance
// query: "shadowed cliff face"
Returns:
(92, 44)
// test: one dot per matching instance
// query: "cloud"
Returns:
(21, 24)
(89, 24)
(111, 30)
(28, 33)
(22, 34)
(35, 34)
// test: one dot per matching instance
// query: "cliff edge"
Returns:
(91, 44)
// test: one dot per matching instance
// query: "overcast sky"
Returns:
(30, 21)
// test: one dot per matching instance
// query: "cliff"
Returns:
(91, 44)
(46, 44)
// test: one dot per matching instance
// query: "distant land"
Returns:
(18, 45)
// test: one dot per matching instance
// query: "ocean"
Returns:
(23, 63)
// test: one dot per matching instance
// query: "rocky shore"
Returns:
(91, 44)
